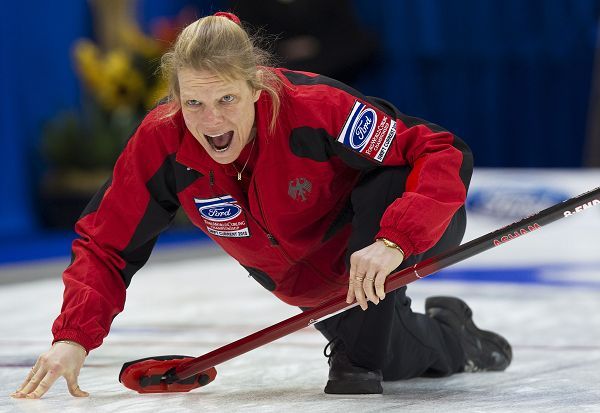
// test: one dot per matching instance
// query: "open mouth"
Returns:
(220, 143)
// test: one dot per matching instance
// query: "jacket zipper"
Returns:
(211, 182)
(272, 240)
(270, 236)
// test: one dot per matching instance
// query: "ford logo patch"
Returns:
(363, 128)
(220, 212)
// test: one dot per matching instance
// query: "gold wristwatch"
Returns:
(391, 244)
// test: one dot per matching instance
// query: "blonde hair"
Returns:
(221, 46)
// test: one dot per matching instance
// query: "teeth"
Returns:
(212, 144)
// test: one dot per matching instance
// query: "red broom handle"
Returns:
(394, 281)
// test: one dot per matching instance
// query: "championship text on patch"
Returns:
(368, 132)
(223, 216)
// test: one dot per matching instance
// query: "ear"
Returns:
(256, 94)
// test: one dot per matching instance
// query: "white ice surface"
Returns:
(195, 306)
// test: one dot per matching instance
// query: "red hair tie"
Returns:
(229, 16)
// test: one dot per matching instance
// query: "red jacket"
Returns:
(285, 230)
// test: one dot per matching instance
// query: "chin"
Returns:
(222, 160)
(227, 157)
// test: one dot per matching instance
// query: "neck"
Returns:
(242, 163)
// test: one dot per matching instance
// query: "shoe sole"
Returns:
(353, 387)
(465, 314)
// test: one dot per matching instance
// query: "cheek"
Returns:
(238, 118)
(188, 118)
(248, 116)
(191, 124)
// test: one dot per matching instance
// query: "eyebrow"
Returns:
(225, 92)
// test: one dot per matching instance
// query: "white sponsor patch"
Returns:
(387, 142)
(368, 131)
(223, 216)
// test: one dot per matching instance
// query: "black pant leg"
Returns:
(389, 336)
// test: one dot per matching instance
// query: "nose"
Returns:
(212, 116)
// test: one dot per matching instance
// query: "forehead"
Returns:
(198, 81)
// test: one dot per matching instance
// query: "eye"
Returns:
(192, 102)
(228, 98)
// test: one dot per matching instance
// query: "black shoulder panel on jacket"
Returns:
(184, 176)
(170, 179)
(160, 212)
(311, 143)
(154, 221)
(94, 203)
(162, 185)
(318, 145)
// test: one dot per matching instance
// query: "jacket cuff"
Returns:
(399, 238)
(76, 336)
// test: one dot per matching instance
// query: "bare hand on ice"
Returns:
(63, 359)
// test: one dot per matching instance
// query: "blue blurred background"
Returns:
(511, 77)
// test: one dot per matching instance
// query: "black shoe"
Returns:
(347, 378)
(484, 350)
